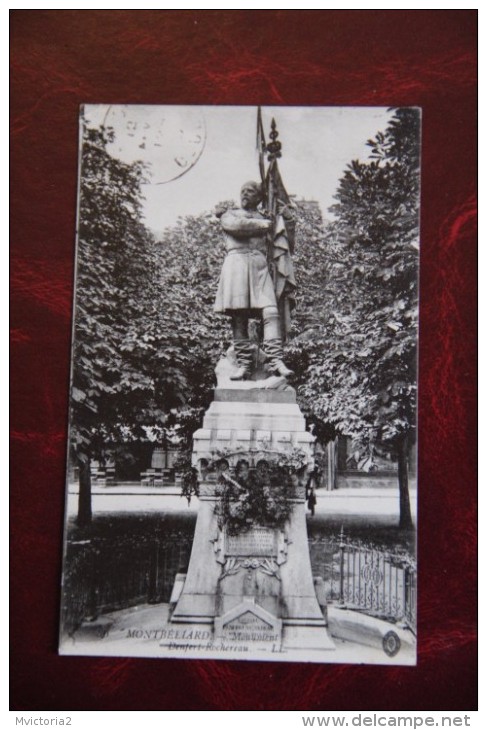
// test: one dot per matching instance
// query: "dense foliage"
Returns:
(116, 353)
(362, 370)
(360, 343)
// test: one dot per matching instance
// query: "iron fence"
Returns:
(103, 576)
(378, 582)
(109, 575)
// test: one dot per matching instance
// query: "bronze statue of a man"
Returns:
(246, 289)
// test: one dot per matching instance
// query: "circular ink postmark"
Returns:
(168, 139)
(391, 643)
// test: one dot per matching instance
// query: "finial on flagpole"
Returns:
(274, 147)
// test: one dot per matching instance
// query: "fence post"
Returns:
(411, 607)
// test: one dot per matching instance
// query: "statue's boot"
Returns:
(244, 353)
(273, 350)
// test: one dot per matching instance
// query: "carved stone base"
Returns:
(256, 586)
(197, 601)
(245, 423)
(247, 580)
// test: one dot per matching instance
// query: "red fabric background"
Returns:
(371, 57)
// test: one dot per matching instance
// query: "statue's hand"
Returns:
(287, 212)
(220, 210)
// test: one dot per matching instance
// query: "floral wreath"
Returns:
(259, 496)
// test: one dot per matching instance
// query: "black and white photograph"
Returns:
(241, 478)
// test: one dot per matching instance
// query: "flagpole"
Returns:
(261, 148)
(273, 148)
(279, 258)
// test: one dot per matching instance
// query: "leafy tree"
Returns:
(115, 332)
(312, 264)
(361, 341)
(192, 336)
(146, 340)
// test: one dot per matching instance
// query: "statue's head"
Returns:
(251, 195)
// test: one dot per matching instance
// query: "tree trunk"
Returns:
(332, 475)
(405, 518)
(84, 497)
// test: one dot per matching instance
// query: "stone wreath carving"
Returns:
(266, 565)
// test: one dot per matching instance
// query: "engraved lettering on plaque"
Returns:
(248, 622)
(249, 627)
(258, 542)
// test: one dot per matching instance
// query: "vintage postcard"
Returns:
(242, 446)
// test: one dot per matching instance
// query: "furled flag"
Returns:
(282, 237)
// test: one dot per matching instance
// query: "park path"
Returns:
(363, 503)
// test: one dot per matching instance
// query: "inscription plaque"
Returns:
(258, 542)
(249, 627)
(249, 621)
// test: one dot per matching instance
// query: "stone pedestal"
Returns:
(255, 587)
